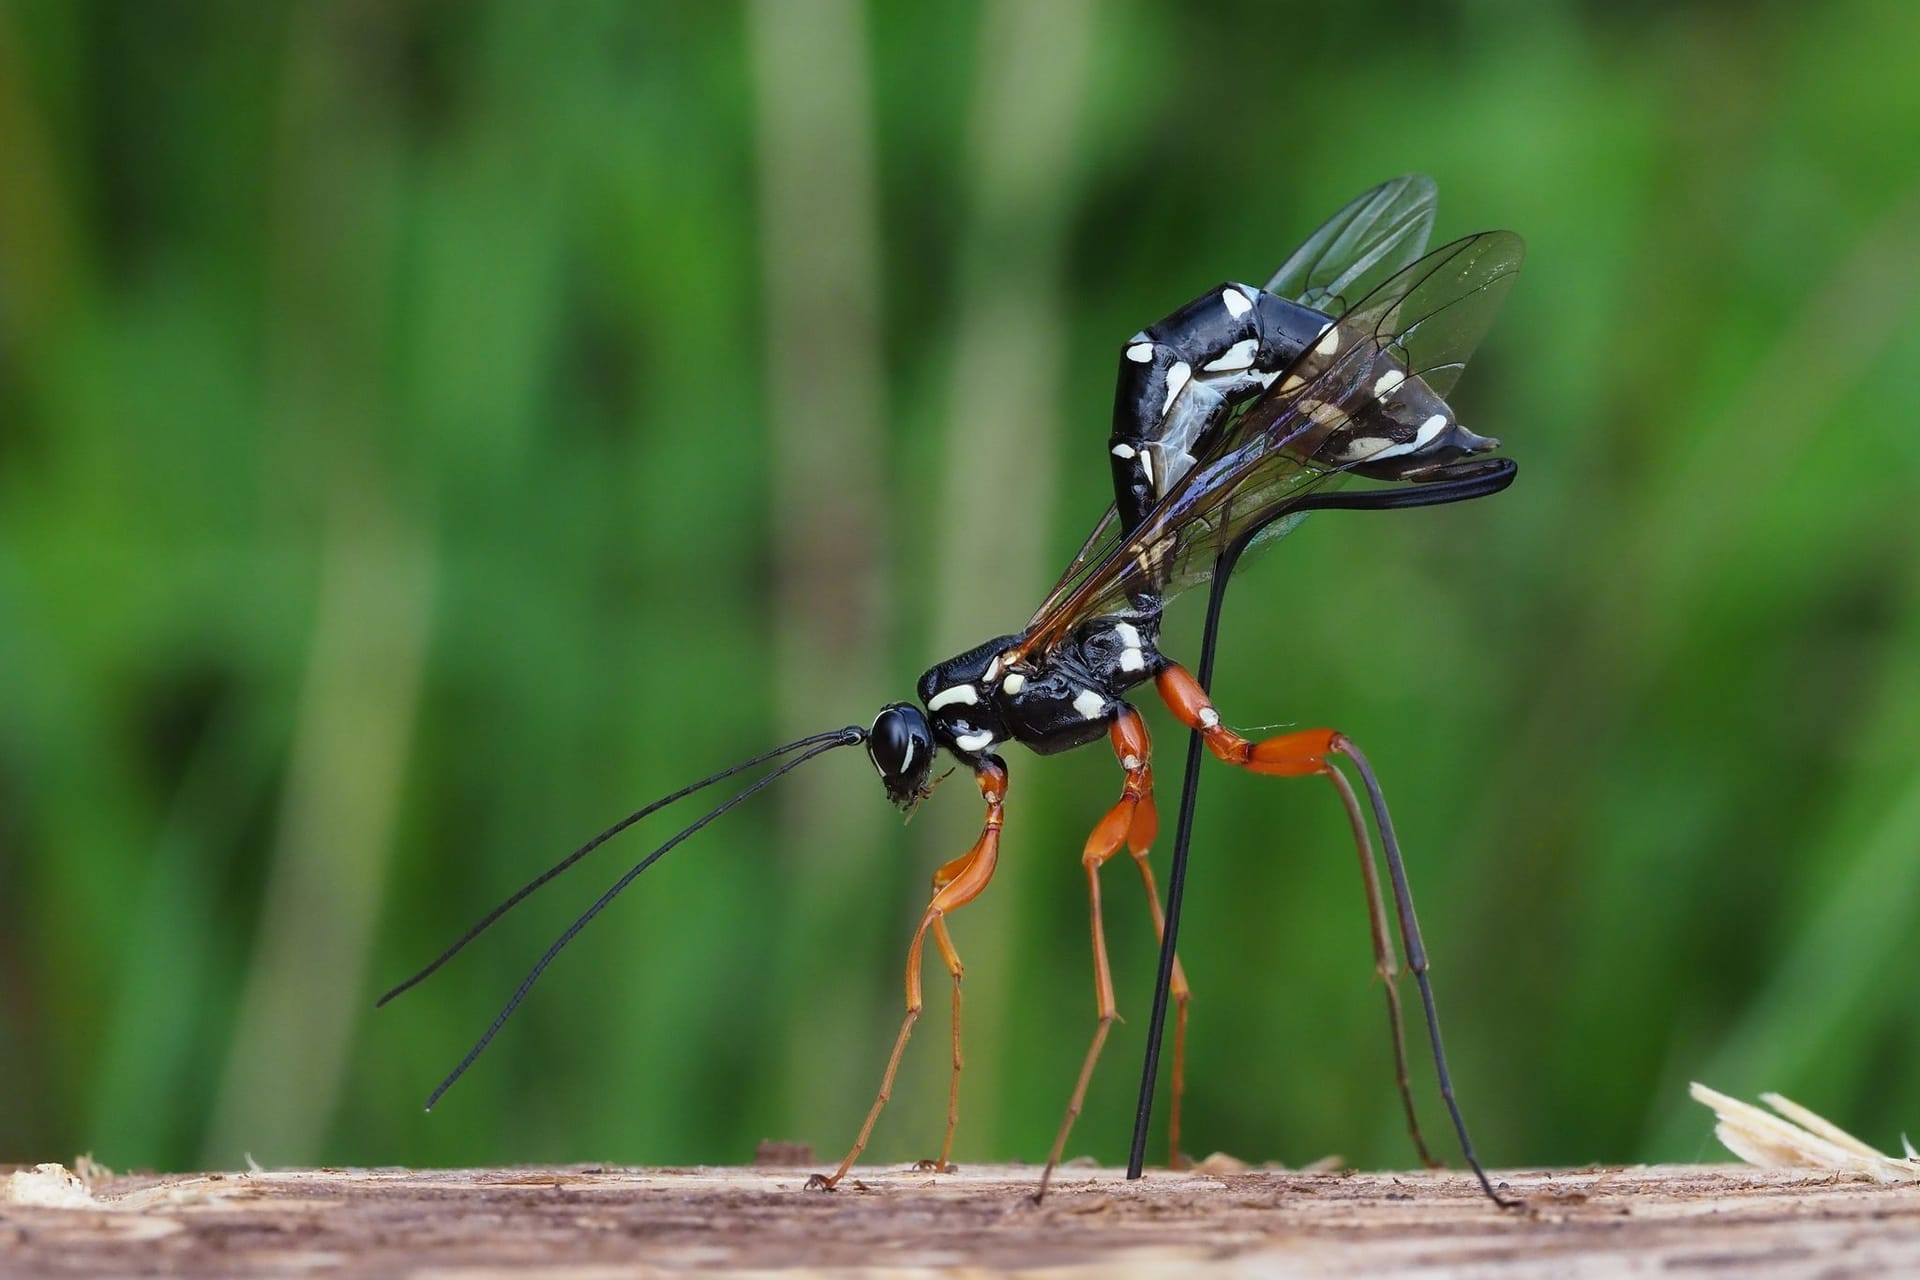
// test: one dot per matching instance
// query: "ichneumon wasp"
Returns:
(1234, 417)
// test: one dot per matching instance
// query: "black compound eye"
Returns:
(900, 744)
(891, 742)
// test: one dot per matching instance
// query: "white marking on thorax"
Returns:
(1236, 302)
(961, 693)
(1131, 659)
(974, 741)
(1146, 466)
(1141, 353)
(906, 761)
(1177, 379)
(1237, 356)
(1089, 704)
(1123, 451)
(1013, 684)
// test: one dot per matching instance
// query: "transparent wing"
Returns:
(1425, 320)
(1375, 234)
(1359, 248)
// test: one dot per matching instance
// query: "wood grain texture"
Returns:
(579, 1222)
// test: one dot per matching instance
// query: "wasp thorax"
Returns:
(900, 744)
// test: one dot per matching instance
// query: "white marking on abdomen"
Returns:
(1429, 430)
(1329, 345)
(1140, 353)
(1237, 356)
(1237, 304)
(1177, 379)
(974, 741)
(1372, 448)
(1388, 381)
(1324, 413)
(961, 693)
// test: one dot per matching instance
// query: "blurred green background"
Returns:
(428, 431)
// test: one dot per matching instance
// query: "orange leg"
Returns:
(1133, 822)
(1298, 755)
(944, 941)
(965, 878)
(1136, 820)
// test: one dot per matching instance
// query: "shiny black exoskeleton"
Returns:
(982, 699)
(1179, 380)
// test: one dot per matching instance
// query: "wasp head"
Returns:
(900, 744)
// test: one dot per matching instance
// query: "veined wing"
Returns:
(1356, 250)
(1317, 426)
(1375, 234)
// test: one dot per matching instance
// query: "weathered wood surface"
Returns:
(1716, 1220)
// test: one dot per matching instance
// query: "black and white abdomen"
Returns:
(1181, 377)
(1388, 424)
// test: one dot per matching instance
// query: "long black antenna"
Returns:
(1475, 479)
(838, 738)
(486, 921)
